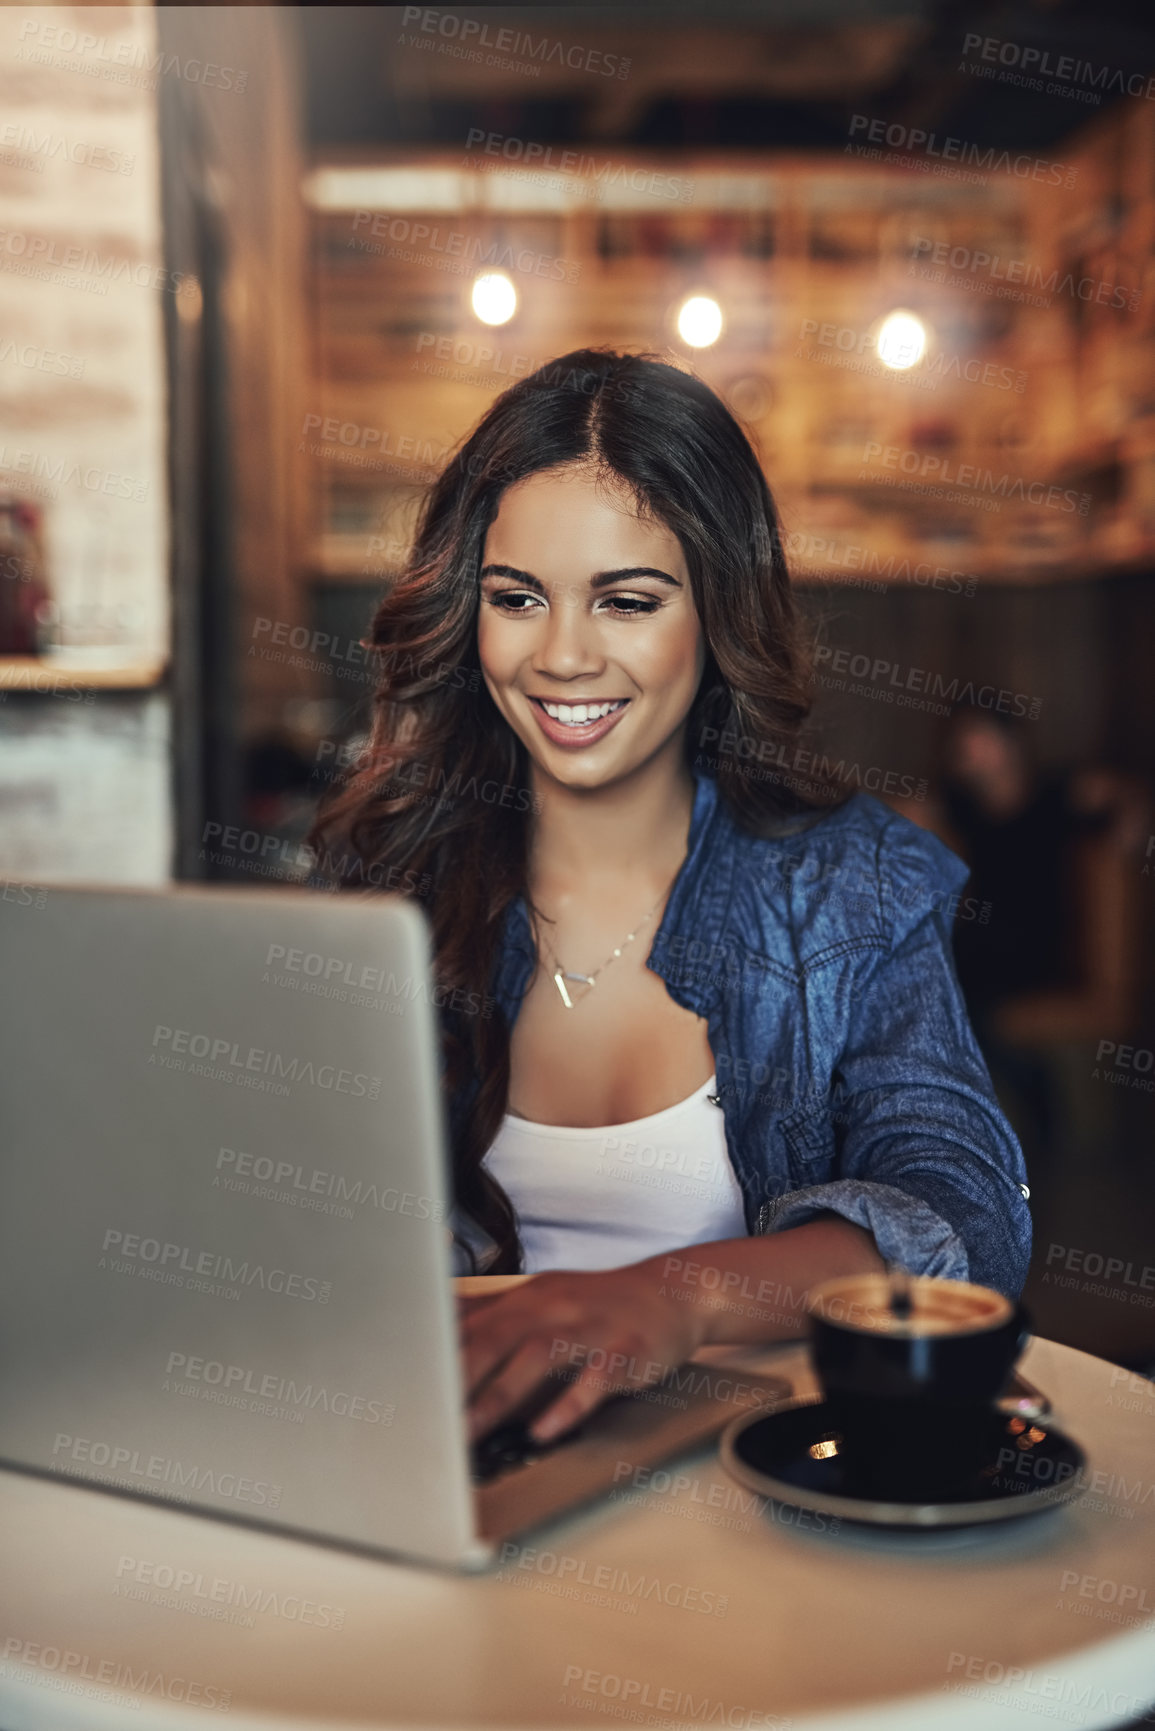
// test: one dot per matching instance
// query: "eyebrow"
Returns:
(600, 579)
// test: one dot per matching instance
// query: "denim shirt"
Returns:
(847, 1072)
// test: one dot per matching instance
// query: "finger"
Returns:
(489, 1337)
(506, 1391)
(580, 1399)
(496, 1330)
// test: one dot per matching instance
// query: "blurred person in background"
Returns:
(1051, 963)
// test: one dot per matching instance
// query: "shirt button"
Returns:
(1025, 1189)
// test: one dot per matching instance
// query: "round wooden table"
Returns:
(671, 1602)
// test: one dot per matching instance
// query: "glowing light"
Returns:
(494, 298)
(700, 321)
(901, 341)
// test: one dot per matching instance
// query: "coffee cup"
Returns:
(911, 1368)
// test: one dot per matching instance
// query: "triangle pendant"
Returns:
(559, 979)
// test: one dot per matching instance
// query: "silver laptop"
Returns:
(225, 1267)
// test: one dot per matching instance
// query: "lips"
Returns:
(580, 734)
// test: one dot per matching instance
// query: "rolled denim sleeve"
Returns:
(927, 1162)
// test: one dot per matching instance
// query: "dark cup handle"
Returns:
(1037, 1403)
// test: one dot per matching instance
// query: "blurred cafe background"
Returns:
(262, 268)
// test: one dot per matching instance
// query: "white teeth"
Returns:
(580, 714)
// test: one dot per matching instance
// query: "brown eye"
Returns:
(632, 606)
(505, 598)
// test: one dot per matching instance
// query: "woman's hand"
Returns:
(615, 1328)
(626, 1328)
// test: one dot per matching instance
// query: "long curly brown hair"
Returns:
(442, 793)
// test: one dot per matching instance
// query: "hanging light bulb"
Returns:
(901, 340)
(493, 298)
(700, 321)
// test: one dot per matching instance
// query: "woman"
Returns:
(592, 678)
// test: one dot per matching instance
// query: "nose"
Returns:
(569, 647)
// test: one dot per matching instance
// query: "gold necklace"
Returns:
(562, 974)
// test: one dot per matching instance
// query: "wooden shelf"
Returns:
(40, 673)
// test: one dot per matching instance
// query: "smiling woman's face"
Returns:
(585, 604)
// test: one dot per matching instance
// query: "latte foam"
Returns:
(937, 1307)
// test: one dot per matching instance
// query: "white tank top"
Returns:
(600, 1197)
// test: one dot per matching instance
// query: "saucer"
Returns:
(792, 1455)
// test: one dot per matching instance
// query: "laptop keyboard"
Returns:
(510, 1446)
